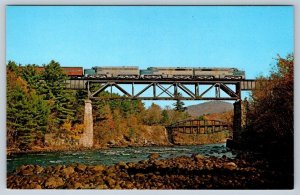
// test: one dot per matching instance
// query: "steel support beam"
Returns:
(188, 90)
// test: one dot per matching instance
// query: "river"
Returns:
(113, 155)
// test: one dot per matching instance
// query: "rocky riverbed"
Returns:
(195, 172)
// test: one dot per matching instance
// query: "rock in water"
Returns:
(25, 170)
(122, 165)
(38, 169)
(153, 156)
(230, 166)
(198, 157)
(54, 182)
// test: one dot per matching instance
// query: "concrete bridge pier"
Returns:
(237, 120)
(87, 137)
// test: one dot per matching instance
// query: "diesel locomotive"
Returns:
(186, 73)
(133, 72)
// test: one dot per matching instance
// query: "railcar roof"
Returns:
(214, 68)
(218, 68)
(116, 67)
(170, 68)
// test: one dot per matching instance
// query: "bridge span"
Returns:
(164, 89)
(196, 127)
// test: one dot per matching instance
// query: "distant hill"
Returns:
(209, 108)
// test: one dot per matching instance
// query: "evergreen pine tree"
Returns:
(27, 113)
(179, 105)
(59, 98)
(33, 78)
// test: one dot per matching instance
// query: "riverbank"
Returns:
(97, 147)
(78, 148)
(195, 172)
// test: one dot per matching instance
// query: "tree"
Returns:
(12, 67)
(201, 118)
(165, 117)
(60, 99)
(27, 113)
(32, 77)
(153, 115)
(179, 105)
(272, 106)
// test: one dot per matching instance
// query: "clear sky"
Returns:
(245, 37)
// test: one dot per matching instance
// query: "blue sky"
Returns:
(245, 37)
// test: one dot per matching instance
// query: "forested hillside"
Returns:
(41, 113)
(210, 107)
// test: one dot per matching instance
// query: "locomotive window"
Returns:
(207, 69)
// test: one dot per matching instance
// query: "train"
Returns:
(185, 73)
(133, 72)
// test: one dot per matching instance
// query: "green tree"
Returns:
(27, 113)
(60, 99)
(31, 76)
(12, 66)
(179, 105)
(201, 117)
(165, 117)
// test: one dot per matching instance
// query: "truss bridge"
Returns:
(164, 89)
(199, 126)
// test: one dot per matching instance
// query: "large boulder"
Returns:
(153, 156)
(78, 185)
(230, 166)
(38, 169)
(98, 168)
(26, 170)
(54, 182)
(198, 157)
(68, 171)
(80, 167)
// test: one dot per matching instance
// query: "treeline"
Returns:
(37, 104)
(271, 111)
(41, 112)
(122, 123)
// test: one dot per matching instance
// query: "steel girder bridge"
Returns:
(164, 89)
(161, 90)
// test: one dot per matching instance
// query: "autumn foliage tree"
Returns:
(271, 108)
(27, 113)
